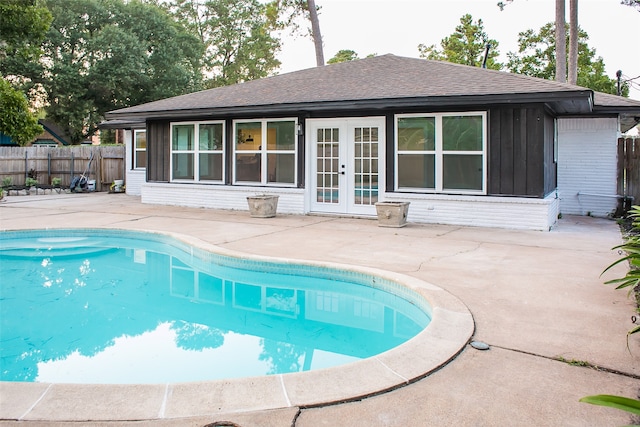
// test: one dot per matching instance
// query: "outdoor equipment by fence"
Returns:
(65, 163)
(628, 173)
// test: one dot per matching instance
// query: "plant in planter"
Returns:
(6, 186)
(30, 183)
(55, 183)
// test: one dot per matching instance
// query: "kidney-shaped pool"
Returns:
(196, 325)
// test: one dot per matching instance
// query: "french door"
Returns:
(347, 165)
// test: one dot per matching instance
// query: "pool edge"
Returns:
(450, 329)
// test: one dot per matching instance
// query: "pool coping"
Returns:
(450, 329)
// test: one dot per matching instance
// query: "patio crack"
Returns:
(573, 362)
(439, 258)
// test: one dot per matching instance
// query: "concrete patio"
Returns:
(537, 299)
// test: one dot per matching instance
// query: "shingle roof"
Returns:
(369, 81)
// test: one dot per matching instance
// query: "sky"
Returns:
(399, 26)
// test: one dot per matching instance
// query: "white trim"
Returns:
(136, 150)
(439, 153)
(346, 126)
(263, 152)
(196, 151)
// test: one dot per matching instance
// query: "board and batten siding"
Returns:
(587, 156)
(158, 150)
(520, 152)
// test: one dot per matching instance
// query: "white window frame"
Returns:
(196, 151)
(439, 153)
(137, 150)
(263, 152)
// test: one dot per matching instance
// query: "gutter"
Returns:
(375, 104)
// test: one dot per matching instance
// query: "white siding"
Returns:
(482, 211)
(134, 177)
(587, 158)
(291, 200)
(134, 181)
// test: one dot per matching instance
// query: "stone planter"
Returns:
(392, 214)
(263, 206)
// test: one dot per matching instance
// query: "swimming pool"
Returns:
(115, 306)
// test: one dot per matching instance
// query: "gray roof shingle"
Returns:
(378, 79)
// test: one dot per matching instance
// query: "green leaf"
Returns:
(619, 402)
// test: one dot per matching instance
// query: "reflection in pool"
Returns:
(99, 306)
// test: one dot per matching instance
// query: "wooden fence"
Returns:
(104, 164)
(628, 172)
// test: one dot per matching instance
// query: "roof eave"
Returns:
(576, 102)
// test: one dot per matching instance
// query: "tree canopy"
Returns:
(343, 55)
(236, 34)
(467, 45)
(632, 3)
(536, 57)
(23, 26)
(287, 13)
(108, 54)
(16, 120)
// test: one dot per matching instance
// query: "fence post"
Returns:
(26, 166)
(49, 166)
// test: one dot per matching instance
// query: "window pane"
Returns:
(462, 172)
(248, 167)
(182, 137)
(211, 167)
(416, 133)
(462, 133)
(141, 140)
(281, 135)
(141, 159)
(210, 137)
(281, 168)
(249, 136)
(416, 170)
(182, 166)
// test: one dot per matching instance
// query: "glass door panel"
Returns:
(345, 165)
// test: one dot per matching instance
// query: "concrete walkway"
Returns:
(536, 297)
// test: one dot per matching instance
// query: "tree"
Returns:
(23, 26)
(573, 42)
(285, 14)
(108, 54)
(467, 45)
(236, 36)
(560, 34)
(632, 3)
(536, 57)
(344, 55)
(561, 46)
(16, 120)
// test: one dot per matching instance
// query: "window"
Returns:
(197, 151)
(139, 149)
(265, 152)
(441, 152)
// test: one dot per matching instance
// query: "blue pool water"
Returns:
(114, 306)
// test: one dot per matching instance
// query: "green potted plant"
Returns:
(6, 186)
(30, 184)
(55, 183)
